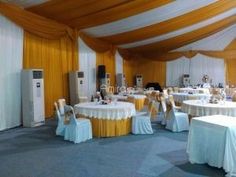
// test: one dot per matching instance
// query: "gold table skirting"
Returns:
(109, 128)
(139, 103)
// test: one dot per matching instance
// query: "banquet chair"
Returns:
(234, 96)
(170, 90)
(78, 130)
(177, 121)
(60, 130)
(163, 111)
(83, 99)
(191, 97)
(110, 90)
(176, 89)
(172, 102)
(61, 104)
(131, 99)
(142, 124)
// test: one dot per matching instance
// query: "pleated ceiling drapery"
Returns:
(56, 58)
(36, 24)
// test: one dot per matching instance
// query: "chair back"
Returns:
(191, 97)
(61, 103)
(170, 90)
(146, 101)
(151, 109)
(176, 89)
(57, 112)
(171, 100)
(163, 104)
(234, 97)
(83, 99)
(70, 114)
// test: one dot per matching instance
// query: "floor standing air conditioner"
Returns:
(77, 90)
(139, 81)
(33, 97)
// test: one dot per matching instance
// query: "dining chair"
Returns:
(172, 102)
(177, 121)
(163, 111)
(60, 130)
(61, 104)
(78, 130)
(142, 124)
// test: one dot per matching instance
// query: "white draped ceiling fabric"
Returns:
(87, 64)
(11, 55)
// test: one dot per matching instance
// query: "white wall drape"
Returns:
(213, 67)
(11, 54)
(119, 63)
(196, 67)
(175, 70)
(87, 64)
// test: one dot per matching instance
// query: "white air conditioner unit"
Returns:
(33, 97)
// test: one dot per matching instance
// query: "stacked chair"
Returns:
(72, 128)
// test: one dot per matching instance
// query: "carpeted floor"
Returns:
(37, 152)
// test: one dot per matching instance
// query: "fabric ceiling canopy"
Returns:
(138, 28)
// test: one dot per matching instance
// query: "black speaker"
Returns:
(101, 71)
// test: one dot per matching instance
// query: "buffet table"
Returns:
(211, 140)
(113, 119)
(139, 100)
(180, 97)
(199, 108)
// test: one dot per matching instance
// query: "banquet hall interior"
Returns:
(118, 88)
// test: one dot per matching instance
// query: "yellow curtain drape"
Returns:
(36, 24)
(230, 62)
(56, 58)
(107, 59)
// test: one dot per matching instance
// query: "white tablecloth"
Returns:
(197, 90)
(197, 108)
(212, 140)
(121, 97)
(180, 97)
(118, 111)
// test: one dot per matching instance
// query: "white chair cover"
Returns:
(142, 124)
(78, 130)
(177, 121)
(60, 130)
(163, 112)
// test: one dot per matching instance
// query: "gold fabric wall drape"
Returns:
(231, 64)
(56, 58)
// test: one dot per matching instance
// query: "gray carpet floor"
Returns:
(37, 152)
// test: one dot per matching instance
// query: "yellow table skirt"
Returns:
(139, 103)
(109, 128)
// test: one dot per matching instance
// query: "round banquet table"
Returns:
(109, 120)
(198, 108)
(197, 90)
(139, 100)
(180, 97)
